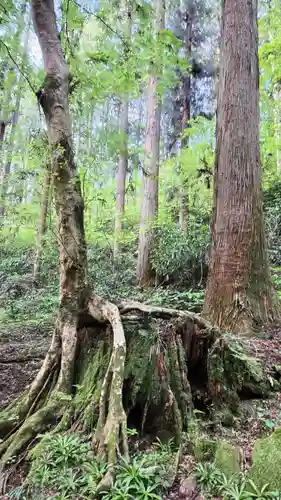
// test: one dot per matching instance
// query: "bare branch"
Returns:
(18, 67)
(102, 21)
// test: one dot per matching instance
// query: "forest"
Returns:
(140, 245)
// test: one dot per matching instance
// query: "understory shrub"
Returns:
(182, 258)
(63, 467)
(272, 199)
(214, 483)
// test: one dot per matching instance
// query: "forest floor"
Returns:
(22, 349)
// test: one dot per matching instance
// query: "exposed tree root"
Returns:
(16, 413)
(68, 394)
(164, 312)
(112, 421)
(29, 418)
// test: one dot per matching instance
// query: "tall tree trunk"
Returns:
(48, 399)
(181, 110)
(126, 17)
(149, 209)
(186, 11)
(42, 221)
(122, 167)
(277, 124)
(15, 115)
(239, 295)
(2, 133)
(3, 123)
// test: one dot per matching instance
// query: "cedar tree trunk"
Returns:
(239, 295)
(185, 97)
(149, 209)
(126, 18)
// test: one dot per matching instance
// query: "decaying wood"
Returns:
(164, 312)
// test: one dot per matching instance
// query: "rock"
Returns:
(187, 487)
(233, 370)
(228, 459)
(227, 418)
(266, 468)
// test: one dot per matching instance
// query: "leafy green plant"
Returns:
(143, 478)
(261, 493)
(236, 491)
(61, 450)
(65, 465)
(213, 482)
(208, 477)
(181, 256)
(137, 471)
(116, 493)
(17, 493)
(164, 448)
(132, 432)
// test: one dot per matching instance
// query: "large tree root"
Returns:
(164, 312)
(41, 408)
(155, 368)
(45, 403)
(112, 421)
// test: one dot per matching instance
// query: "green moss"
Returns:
(228, 458)
(141, 363)
(199, 444)
(266, 466)
(232, 370)
(204, 449)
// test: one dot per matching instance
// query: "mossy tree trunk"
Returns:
(51, 392)
(42, 222)
(239, 295)
(77, 386)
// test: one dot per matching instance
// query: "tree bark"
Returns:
(42, 221)
(185, 98)
(2, 133)
(149, 209)
(48, 399)
(126, 16)
(15, 115)
(121, 175)
(3, 123)
(239, 294)
(277, 125)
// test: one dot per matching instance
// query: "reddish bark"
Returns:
(239, 293)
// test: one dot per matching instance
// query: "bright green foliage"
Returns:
(141, 479)
(180, 254)
(228, 459)
(267, 457)
(208, 477)
(214, 483)
(63, 467)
